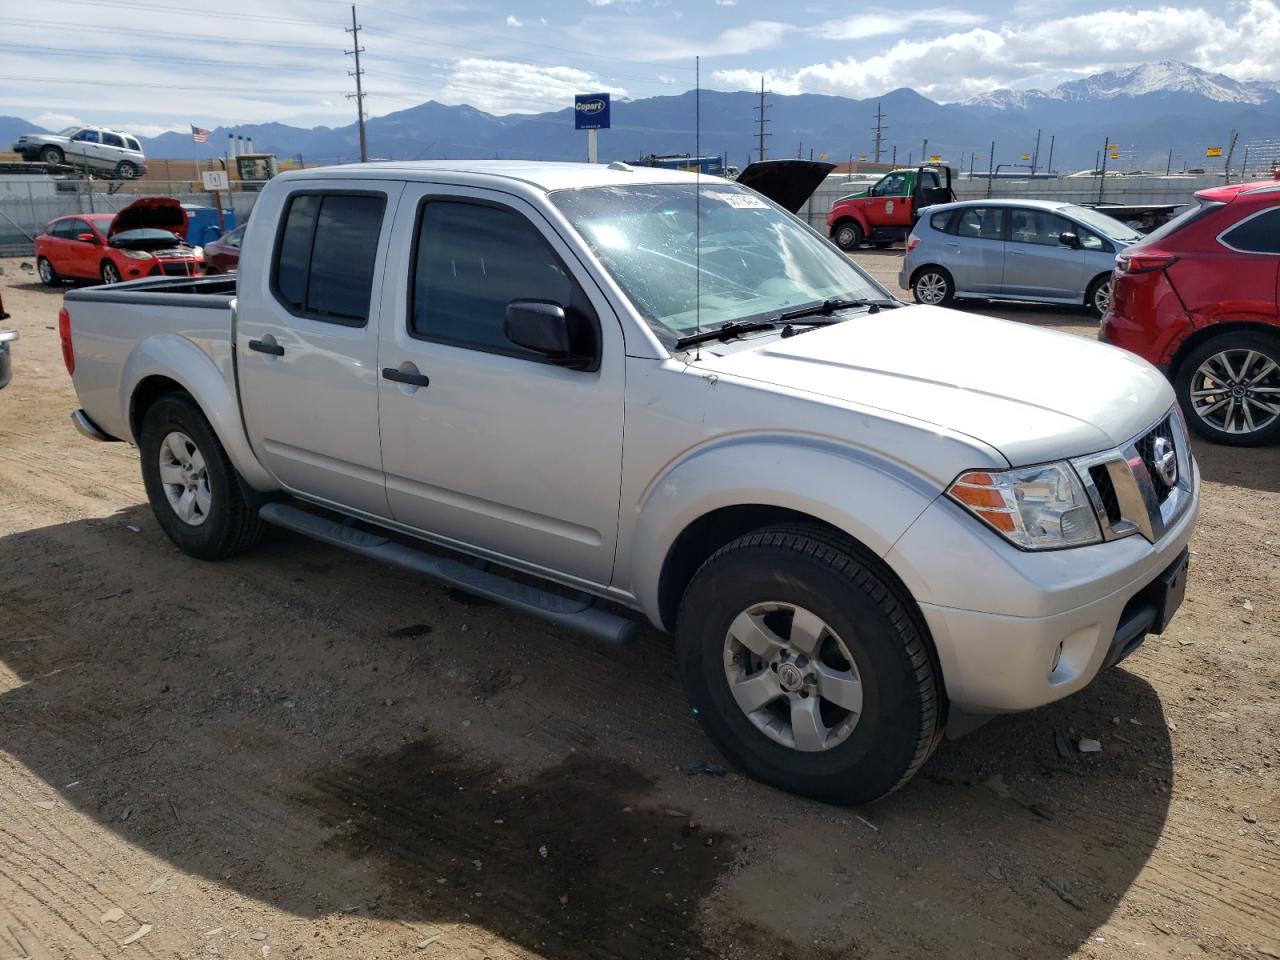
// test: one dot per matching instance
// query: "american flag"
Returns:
(199, 134)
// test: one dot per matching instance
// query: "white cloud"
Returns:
(513, 21)
(1241, 42)
(880, 24)
(504, 86)
(57, 121)
(726, 3)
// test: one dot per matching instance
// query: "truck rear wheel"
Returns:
(194, 490)
(848, 235)
(806, 668)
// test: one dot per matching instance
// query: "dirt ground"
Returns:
(301, 753)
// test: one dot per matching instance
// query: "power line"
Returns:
(358, 96)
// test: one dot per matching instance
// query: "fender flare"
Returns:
(837, 482)
(211, 384)
(857, 216)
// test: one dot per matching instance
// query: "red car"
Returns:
(1200, 298)
(143, 239)
(223, 255)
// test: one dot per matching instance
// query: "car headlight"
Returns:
(1044, 507)
(197, 252)
(136, 254)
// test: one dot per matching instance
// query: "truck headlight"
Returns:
(1043, 507)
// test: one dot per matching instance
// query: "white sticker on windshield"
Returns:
(743, 201)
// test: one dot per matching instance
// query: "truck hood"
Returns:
(159, 213)
(1032, 394)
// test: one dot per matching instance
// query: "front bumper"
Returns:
(1094, 602)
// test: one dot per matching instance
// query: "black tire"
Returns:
(52, 155)
(231, 525)
(932, 285)
(125, 170)
(109, 272)
(1098, 303)
(44, 270)
(1212, 424)
(901, 715)
(847, 235)
(882, 244)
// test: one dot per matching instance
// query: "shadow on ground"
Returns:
(286, 726)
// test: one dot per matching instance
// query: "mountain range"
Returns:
(1152, 112)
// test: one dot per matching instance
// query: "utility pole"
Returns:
(879, 128)
(895, 155)
(924, 150)
(991, 159)
(1035, 155)
(973, 156)
(1049, 166)
(1102, 180)
(761, 110)
(358, 96)
(1168, 167)
(1231, 149)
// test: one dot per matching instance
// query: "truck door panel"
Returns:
(499, 450)
(307, 350)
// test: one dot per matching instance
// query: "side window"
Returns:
(325, 255)
(113, 140)
(132, 144)
(470, 261)
(86, 136)
(77, 227)
(980, 223)
(894, 185)
(940, 221)
(1091, 241)
(1259, 234)
(929, 179)
(1038, 227)
(57, 229)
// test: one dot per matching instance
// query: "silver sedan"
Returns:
(1037, 250)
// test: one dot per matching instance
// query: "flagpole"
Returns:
(194, 159)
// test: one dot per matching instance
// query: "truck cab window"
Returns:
(894, 185)
(470, 261)
(325, 256)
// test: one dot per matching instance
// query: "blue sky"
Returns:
(144, 66)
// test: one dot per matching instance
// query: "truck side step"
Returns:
(577, 613)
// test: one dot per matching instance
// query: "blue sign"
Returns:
(591, 111)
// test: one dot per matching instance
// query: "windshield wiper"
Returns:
(828, 307)
(725, 331)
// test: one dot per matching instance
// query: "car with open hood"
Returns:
(144, 239)
(95, 149)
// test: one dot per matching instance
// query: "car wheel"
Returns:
(806, 667)
(125, 170)
(46, 273)
(194, 490)
(52, 155)
(848, 236)
(883, 244)
(110, 272)
(1098, 297)
(933, 286)
(1229, 388)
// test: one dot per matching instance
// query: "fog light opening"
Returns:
(1057, 658)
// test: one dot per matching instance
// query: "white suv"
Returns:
(93, 148)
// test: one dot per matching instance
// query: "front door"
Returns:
(891, 201)
(975, 256)
(1036, 262)
(307, 342)
(494, 448)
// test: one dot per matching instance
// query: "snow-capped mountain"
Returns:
(1160, 77)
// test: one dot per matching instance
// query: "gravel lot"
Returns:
(300, 753)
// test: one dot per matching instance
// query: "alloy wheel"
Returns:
(1102, 297)
(1237, 391)
(931, 288)
(110, 273)
(792, 676)
(45, 269)
(185, 478)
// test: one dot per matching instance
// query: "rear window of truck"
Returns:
(325, 255)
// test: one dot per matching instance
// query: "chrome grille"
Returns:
(1129, 485)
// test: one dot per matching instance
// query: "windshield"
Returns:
(756, 259)
(146, 233)
(1109, 227)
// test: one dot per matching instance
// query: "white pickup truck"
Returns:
(867, 524)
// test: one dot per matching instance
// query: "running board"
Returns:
(577, 613)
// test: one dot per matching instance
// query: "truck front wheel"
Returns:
(806, 668)
(848, 235)
(194, 490)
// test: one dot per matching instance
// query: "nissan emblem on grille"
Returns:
(1164, 461)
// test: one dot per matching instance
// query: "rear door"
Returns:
(975, 249)
(113, 149)
(1256, 283)
(307, 343)
(497, 449)
(1036, 262)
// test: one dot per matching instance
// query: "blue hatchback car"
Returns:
(1039, 250)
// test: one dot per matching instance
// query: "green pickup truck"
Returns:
(889, 208)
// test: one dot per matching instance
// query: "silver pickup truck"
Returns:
(582, 389)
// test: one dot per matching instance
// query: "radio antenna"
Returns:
(697, 201)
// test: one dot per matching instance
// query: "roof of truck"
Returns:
(544, 175)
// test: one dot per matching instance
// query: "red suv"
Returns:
(1199, 299)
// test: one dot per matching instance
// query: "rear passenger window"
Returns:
(325, 255)
(981, 223)
(1259, 234)
(939, 221)
(470, 261)
(112, 140)
(132, 144)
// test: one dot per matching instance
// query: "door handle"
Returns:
(399, 376)
(262, 347)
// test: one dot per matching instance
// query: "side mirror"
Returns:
(86, 238)
(1069, 240)
(546, 329)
